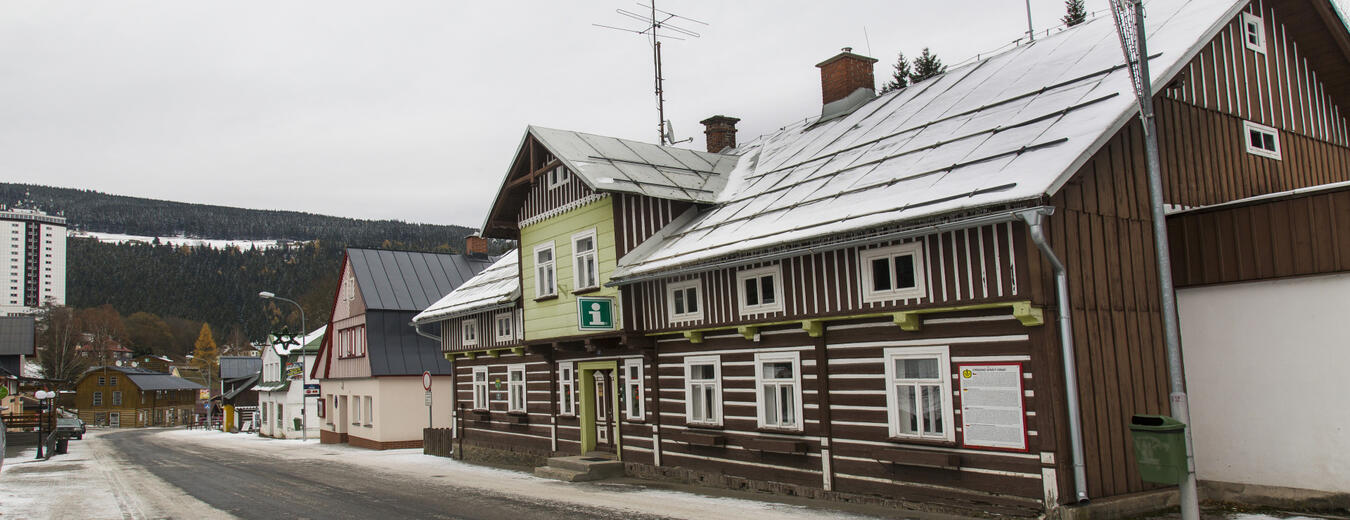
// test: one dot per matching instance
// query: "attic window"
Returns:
(558, 177)
(1254, 32)
(1261, 140)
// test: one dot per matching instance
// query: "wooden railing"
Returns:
(29, 421)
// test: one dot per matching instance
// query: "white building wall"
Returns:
(11, 266)
(53, 264)
(1266, 366)
(50, 258)
(290, 401)
(398, 406)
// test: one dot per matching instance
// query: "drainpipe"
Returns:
(417, 327)
(1033, 220)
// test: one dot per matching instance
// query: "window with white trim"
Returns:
(778, 395)
(1261, 140)
(918, 393)
(558, 177)
(515, 387)
(892, 273)
(703, 390)
(112, 380)
(585, 263)
(356, 411)
(635, 406)
(117, 398)
(504, 332)
(98, 398)
(683, 300)
(567, 400)
(760, 290)
(469, 332)
(370, 410)
(480, 388)
(545, 272)
(1254, 32)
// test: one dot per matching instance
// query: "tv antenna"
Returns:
(658, 26)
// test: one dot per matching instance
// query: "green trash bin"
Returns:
(1159, 448)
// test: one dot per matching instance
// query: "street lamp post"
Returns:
(42, 395)
(304, 371)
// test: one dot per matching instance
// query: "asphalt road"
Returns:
(255, 486)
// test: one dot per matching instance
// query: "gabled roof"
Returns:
(149, 379)
(239, 367)
(613, 165)
(497, 286)
(409, 281)
(1005, 131)
(17, 335)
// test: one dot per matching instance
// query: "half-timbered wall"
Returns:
(961, 267)
(1204, 108)
(452, 331)
(543, 202)
(638, 217)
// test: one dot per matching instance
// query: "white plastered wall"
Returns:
(1266, 368)
(398, 402)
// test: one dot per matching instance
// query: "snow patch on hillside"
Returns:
(118, 238)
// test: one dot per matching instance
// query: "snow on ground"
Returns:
(118, 238)
(90, 482)
(412, 463)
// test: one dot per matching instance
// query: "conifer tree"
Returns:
(900, 77)
(205, 356)
(1074, 12)
(926, 66)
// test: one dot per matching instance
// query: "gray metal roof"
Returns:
(1004, 131)
(408, 281)
(151, 380)
(237, 367)
(610, 164)
(396, 349)
(17, 335)
(497, 286)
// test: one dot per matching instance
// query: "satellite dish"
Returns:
(670, 132)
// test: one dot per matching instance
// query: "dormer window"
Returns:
(558, 176)
(1254, 32)
(1261, 140)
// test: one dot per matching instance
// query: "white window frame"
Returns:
(98, 399)
(567, 388)
(578, 260)
(795, 358)
(634, 389)
(871, 294)
(116, 398)
(356, 411)
(510, 332)
(1250, 22)
(944, 378)
(696, 285)
(480, 389)
(370, 410)
(689, 396)
(558, 177)
(468, 332)
(1248, 128)
(776, 271)
(551, 265)
(517, 393)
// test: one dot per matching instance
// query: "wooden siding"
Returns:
(452, 331)
(637, 218)
(962, 267)
(1293, 236)
(554, 317)
(542, 201)
(349, 310)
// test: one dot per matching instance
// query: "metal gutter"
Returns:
(417, 327)
(982, 220)
(1033, 218)
(457, 314)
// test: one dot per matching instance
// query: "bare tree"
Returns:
(58, 330)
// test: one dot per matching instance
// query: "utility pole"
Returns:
(1129, 15)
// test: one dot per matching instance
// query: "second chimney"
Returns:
(721, 132)
(476, 246)
(844, 74)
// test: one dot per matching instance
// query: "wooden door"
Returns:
(604, 411)
(115, 419)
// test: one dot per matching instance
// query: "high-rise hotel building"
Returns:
(32, 259)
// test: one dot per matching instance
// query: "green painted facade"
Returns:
(557, 317)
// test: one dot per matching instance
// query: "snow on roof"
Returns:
(497, 286)
(1007, 130)
(311, 341)
(610, 164)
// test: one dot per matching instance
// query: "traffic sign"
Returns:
(595, 313)
(311, 389)
(428, 398)
(426, 380)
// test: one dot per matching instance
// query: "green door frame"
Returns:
(587, 371)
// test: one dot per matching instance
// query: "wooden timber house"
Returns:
(944, 294)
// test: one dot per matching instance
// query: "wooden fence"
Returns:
(438, 442)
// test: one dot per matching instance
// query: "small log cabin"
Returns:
(126, 397)
(865, 304)
(370, 364)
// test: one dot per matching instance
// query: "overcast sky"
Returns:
(410, 109)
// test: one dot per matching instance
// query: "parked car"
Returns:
(70, 427)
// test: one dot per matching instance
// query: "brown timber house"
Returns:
(863, 306)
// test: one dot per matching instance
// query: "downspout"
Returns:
(418, 328)
(1033, 220)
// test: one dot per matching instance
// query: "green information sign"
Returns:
(595, 313)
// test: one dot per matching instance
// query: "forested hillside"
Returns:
(93, 211)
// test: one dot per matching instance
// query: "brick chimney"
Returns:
(476, 246)
(721, 132)
(844, 74)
